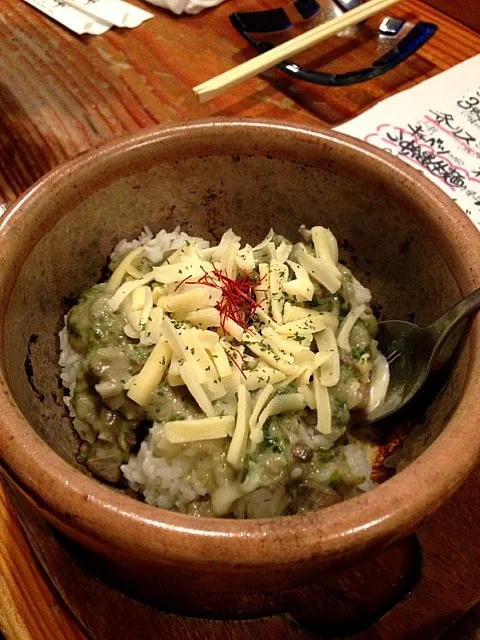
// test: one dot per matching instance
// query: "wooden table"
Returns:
(61, 95)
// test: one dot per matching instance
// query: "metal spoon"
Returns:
(411, 351)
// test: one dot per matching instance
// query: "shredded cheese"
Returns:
(266, 319)
(260, 402)
(134, 272)
(174, 378)
(193, 299)
(278, 277)
(223, 498)
(233, 329)
(285, 354)
(326, 248)
(262, 294)
(228, 262)
(293, 312)
(154, 326)
(322, 405)
(180, 431)
(294, 347)
(186, 269)
(309, 395)
(215, 254)
(262, 375)
(301, 289)
(195, 388)
(126, 289)
(187, 251)
(379, 383)
(310, 365)
(298, 328)
(238, 445)
(151, 374)
(284, 403)
(120, 272)
(261, 245)
(266, 353)
(321, 271)
(235, 355)
(330, 369)
(133, 317)
(208, 339)
(158, 292)
(283, 251)
(181, 350)
(346, 327)
(246, 260)
(130, 332)
(145, 315)
(139, 297)
(220, 360)
(204, 318)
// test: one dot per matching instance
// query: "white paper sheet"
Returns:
(117, 12)
(92, 16)
(70, 17)
(435, 127)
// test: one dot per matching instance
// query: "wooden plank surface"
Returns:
(465, 11)
(61, 95)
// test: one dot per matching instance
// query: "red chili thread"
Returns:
(238, 302)
(181, 282)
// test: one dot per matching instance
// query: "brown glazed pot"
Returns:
(402, 237)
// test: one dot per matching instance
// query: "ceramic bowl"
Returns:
(402, 237)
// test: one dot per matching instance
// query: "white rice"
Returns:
(157, 246)
(167, 482)
(162, 481)
(69, 362)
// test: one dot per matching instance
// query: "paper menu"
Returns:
(435, 127)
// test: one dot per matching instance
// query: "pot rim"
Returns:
(391, 510)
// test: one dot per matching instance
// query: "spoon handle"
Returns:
(444, 325)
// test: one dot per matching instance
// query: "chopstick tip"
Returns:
(203, 94)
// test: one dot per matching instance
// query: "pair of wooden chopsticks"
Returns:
(256, 65)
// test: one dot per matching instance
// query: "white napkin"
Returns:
(186, 6)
